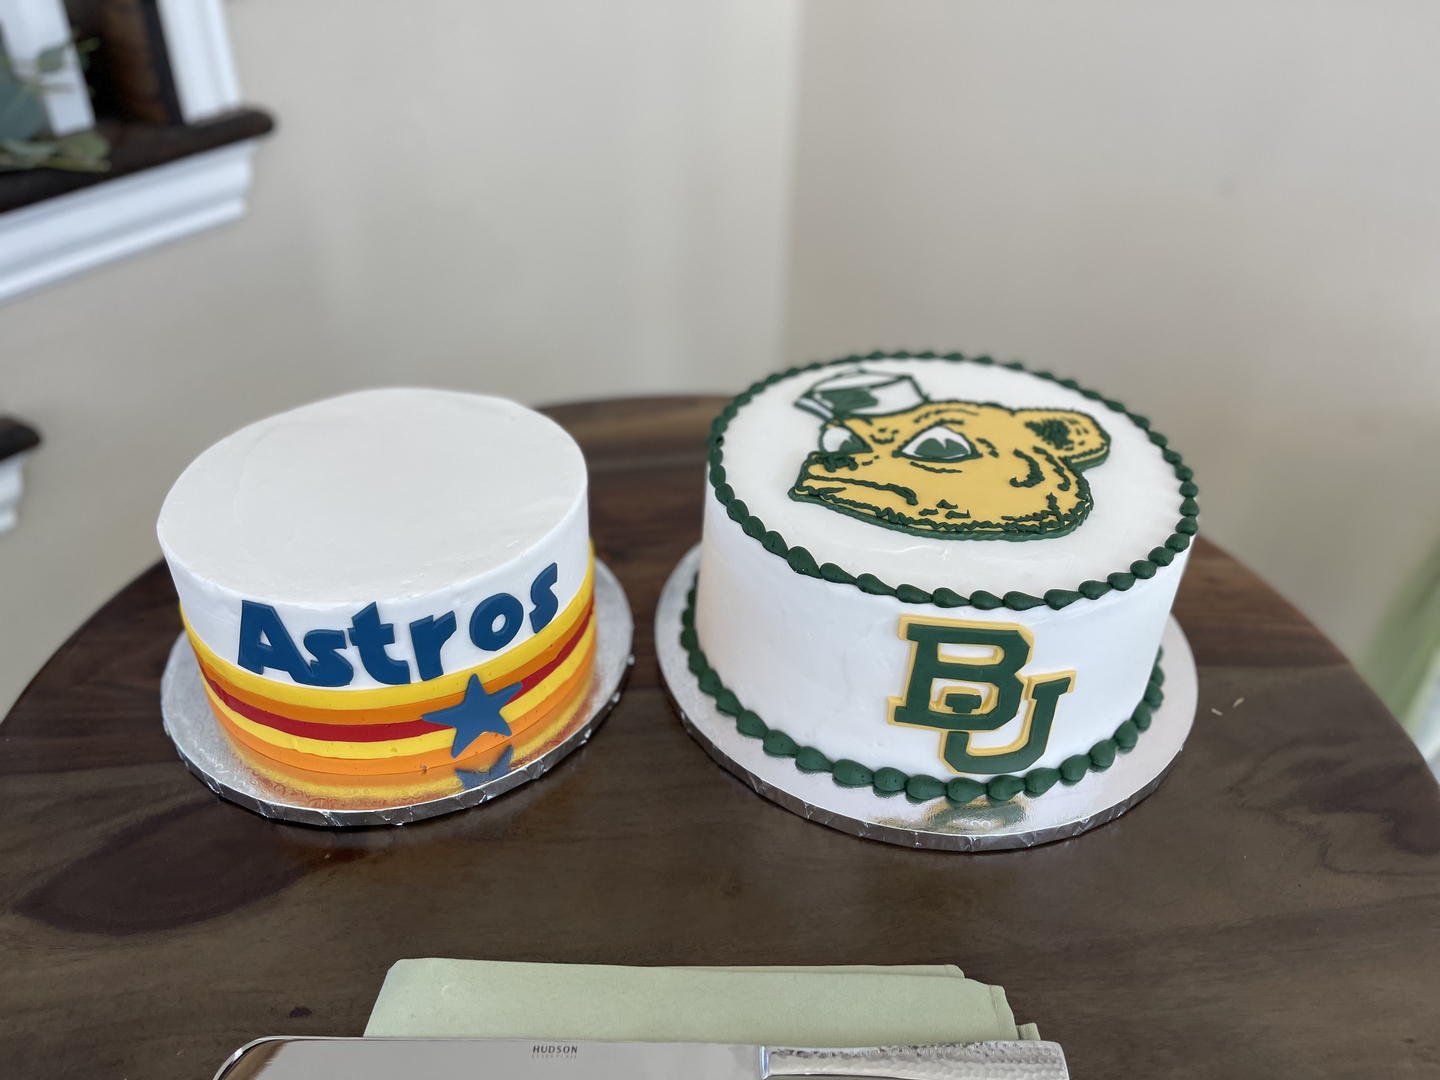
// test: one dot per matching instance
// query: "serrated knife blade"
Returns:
(311, 1058)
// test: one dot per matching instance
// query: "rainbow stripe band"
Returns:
(386, 730)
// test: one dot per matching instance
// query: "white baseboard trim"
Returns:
(69, 234)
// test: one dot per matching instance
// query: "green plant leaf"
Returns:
(84, 146)
(51, 59)
(29, 151)
(75, 164)
(82, 152)
(22, 114)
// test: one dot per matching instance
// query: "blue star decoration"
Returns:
(477, 714)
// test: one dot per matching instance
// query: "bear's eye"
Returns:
(841, 440)
(938, 443)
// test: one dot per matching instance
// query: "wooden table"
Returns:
(1273, 909)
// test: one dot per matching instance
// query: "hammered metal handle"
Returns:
(1018, 1060)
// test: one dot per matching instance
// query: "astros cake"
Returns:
(939, 575)
(386, 581)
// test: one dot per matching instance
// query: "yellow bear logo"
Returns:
(952, 469)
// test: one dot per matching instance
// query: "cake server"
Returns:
(284, 1058)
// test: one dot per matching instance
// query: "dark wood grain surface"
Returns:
(1273, 909)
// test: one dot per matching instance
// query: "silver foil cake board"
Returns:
(270, 789)
(1065, 810)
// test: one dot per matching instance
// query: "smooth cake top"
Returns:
(381, 493)
(948, 474)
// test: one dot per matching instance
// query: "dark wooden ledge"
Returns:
(134, 148)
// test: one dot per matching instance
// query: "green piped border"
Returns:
(802, 562)
(918, 788)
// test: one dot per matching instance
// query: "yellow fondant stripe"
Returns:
(378, 776)
(584, 650)
(520, 714)
(478, 751)
(435, 740)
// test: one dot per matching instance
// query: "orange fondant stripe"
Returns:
(307, 729)
(275, 714)
(535, 696)
(260, 736)
(423, 745)
(534, 728)
(547, 695)
(539, 672)
(528, 656)
(400, 763)
(387, 786)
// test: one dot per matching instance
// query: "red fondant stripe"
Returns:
(407, 729)
(535, 677)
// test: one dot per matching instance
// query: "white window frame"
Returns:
(69, 234)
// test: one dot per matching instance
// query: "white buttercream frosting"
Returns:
(821, 661)
(401, 491)
(421, 501)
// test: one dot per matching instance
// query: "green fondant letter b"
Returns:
(1012, 653)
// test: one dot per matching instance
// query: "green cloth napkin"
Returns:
(776, 1006)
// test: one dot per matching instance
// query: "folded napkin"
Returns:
(776, 1006)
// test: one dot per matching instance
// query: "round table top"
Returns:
(1271, 909)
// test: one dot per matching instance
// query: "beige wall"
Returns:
(1227, 214)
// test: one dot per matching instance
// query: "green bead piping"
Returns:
(918, 788)
(802, 562)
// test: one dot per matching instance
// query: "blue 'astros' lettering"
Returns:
(542, 595)
(329, 667)
(370, 636)
(483, 631)
(266, 643)
(426, 637)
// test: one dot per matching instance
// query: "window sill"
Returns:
(164, 183)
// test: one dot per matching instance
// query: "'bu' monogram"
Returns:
(960, 713)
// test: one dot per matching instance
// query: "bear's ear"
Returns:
(1074, 436)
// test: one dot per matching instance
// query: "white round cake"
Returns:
(388, 580)
(939, 575)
